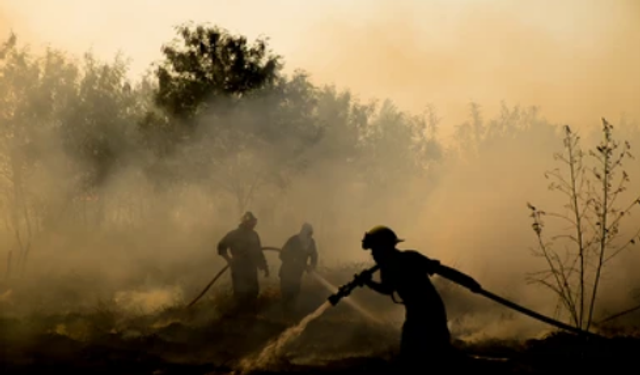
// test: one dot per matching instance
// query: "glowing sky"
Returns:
(578, 59)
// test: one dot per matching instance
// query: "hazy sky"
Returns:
(578, 59)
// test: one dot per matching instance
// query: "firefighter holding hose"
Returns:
(245, 260)
(425, 343)
(299, 254)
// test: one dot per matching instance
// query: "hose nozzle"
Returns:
(346, 289)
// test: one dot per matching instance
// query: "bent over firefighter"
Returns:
(299, 254)
(426, 342)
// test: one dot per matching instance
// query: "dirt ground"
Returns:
(209, 339)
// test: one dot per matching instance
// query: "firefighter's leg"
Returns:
(252, 289)
(245, 286)
(285, 294)
(236, 282)
(422, 349)
(295, 292)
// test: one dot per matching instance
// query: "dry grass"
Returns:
(100, 335)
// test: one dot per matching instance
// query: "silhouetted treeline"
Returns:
(217, 113)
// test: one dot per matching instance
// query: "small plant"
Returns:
(576, 258)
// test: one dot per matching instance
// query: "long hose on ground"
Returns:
(220, 273)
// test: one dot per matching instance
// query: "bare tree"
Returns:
(575, 259)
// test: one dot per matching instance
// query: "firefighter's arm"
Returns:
(223, 247)
(458, 278)
(313, 256)
(285, 249)
(380, 287)
(262, 260)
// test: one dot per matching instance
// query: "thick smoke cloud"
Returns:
(575, 59)
(469, 213)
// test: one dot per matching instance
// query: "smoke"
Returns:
(148, 302)
(575, 59)
(468, 213)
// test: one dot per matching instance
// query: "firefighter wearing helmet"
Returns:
(242, 250)
(425, 343)
(380, 236)
(299, 255)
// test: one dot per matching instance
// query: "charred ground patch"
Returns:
(207, 339)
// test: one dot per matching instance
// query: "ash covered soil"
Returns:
(105, 338)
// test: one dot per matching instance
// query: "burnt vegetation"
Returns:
(94, 165)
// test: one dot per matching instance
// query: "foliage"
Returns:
(576, 259)
(65, 128)
(217, 116)
(250, 128)
(478, 135)
(209, 66)
(217, 113)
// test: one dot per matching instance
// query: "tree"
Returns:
(99, 126)
(205, 72)
(342, 120)
(478, 135)
(471, 134)
(33, 92)
(263, 141)
(230, 112)
(18, 78)
(575, 260)
(388, 145)
(65, 129)
(207, 66)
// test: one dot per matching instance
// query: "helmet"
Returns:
(306, 229)
(248, 217)
(380, 235)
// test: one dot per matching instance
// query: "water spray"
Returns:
(276, 347)
(334, 289)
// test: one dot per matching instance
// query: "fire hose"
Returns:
(220, 273)
(359, 279)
